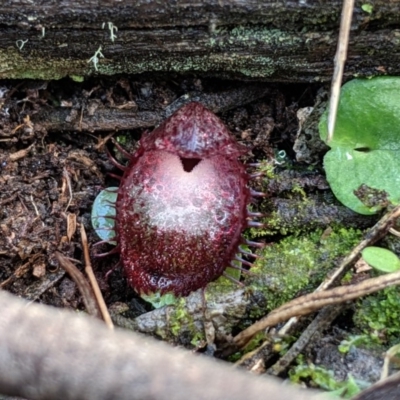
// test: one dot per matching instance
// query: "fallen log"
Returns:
(286, 41)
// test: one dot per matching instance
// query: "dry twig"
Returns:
(68, 183)
(18, 155)
(83, 360)
(340, 59)
(92, 279)
(314, 301)
(322, 297)
(87, 294)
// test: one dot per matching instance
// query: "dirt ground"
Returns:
(53, 163)
(50, 175)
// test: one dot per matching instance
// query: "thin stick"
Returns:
(321, 322)
(68, 180)
(314, 301)
(375, 233)
(380, 229)
(93, 281)
(323, 297)
(340, 60)
(84, 288)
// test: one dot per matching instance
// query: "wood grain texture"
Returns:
(281, 40)
(47, 353)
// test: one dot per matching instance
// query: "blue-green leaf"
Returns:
(103, 209)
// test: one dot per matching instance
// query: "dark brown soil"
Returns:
(54, 138)
(53, 163)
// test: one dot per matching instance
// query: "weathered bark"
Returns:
(48, 354)
(270, 40)
(106, 119)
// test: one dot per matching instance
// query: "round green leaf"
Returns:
(365, 149)
(381, 259)
(367, 8)
(103, 209)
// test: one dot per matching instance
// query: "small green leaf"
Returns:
(353, 341)
(365, 149)
(367, 8)
(102, 210)
(381, 259)
(159, 300)
(348, 390)
(77, 78)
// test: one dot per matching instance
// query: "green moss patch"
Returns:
(299, 263)
(378, 316)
